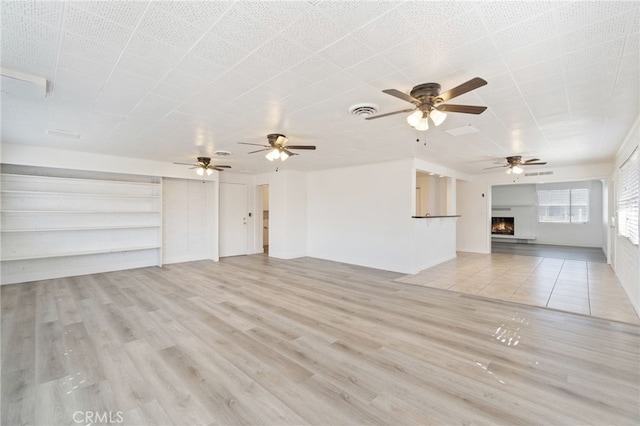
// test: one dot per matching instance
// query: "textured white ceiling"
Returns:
(173, 80)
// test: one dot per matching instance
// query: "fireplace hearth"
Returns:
(502, 226)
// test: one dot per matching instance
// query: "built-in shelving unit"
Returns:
(54, 226)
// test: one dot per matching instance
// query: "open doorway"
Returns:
(265, 218)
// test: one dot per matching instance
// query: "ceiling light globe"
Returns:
(423, 124)
(437, 117)
(517, 170)
(508, 171)
(283, 156)
(200, 171)
(414, 118)
(209, 172)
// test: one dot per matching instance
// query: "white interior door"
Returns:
(233, 219)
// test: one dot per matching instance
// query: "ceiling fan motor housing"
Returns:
(273, 137)
(204, 160)
(426, 91)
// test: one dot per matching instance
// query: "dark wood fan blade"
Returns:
(256, 144)
(470, 85)
(530, 160)
(389, 113)
(401, 95)
(221, 166)
(260, 150)
(533, 164)
(300, 147)
(217, 168)
(496, 167)
(467, 109)
(185, 164)
(289, 153)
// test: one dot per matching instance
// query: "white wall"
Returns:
(362, 215)
(474, 207)
(523, 201)
(626, 261)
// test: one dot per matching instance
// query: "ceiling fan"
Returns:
(278, 147)
(429, 102)
(204, 166)
(515, 162)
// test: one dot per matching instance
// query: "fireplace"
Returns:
(502, 225)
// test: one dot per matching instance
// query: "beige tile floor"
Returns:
(578, 286)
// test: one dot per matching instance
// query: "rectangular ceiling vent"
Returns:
(538, 174)
(63, 134)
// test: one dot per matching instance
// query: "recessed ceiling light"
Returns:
(464, 130)
(222, 153)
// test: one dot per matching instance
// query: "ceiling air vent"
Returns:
(364, 110)
(63, 134)
(538, 174)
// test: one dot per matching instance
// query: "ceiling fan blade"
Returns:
(533, 164)
(496, 167)
(217, 168)
(256, 144)
(185, 164)
(470, 85)
(289, 153)
(531, 160)
(260, 150)
(389, 113)
(221, 166)
(467, 109)
(300, 147)
(401, 95)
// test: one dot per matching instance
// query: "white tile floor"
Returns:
(578, 286)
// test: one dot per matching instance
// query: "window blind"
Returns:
(563, 205)
(628, 198)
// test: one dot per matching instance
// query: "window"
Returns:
(628, 199)
(563, 205)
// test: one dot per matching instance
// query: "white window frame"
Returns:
(628, 198)
(571, 195)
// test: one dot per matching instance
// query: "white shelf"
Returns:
(78, 253)
(88, 228)
(70, 224)
(11, 211)
(77, 179)
(75, 194)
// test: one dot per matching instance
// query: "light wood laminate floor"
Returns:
(259, 341)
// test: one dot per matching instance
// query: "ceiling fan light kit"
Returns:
(515, 163)
(278, 148)
(430, 103)
(204, 166)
